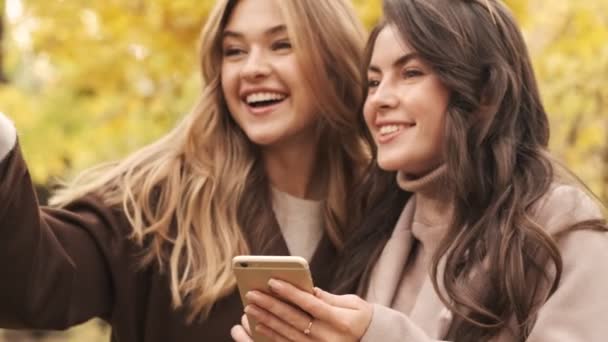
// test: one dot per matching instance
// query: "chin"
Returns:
(262, 139)
(389, 164)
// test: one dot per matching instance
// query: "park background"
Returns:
(91, 80)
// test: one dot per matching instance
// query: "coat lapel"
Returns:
(429, 313)
(321, 266)
(388, 271)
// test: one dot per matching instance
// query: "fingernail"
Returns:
(251, 310)
(273, 284)
(251, 295)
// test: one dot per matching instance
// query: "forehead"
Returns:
(389, 46)
(249, 16)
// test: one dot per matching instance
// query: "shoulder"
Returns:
(563, 206)
(583, 251)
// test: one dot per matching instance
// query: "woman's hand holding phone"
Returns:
(253, 274)
(290, 314)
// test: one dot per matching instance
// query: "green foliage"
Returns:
(99, 78)
(567, 40)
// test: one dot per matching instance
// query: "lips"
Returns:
(388, 131)
(261, 99)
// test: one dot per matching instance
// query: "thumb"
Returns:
(345, 301)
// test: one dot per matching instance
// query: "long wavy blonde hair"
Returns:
(189, 194)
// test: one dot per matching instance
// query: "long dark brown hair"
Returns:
(497, 133)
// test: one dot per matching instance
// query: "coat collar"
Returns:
(429, 312)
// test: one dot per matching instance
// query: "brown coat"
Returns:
(59, 268)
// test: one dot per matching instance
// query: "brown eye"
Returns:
(373, 83)
(411, 73)
(281, 45)
(232, 51)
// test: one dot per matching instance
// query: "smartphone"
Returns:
(253, 272)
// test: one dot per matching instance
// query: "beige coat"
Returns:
(576, 312)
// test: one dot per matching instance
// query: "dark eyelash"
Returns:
(232, 52)
(284, 44)
(373, 83)
(408, 73)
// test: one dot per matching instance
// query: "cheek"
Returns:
(227, 79)
(290, 68)
(436, 132)
(229, 88)
(306, 113)
(368, 115)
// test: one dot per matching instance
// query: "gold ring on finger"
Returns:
(307, 330)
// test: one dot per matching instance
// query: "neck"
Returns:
(433, 204)
(292, 170)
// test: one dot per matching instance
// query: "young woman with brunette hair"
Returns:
(498, 242)
(266, 163)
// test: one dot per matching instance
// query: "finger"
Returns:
(288, 313)
(239, 334)
(344, 301)
(306, 301)
(274, 323)
(245, 324)
(270, 334)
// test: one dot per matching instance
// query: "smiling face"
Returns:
(262, 79)
(405, 108)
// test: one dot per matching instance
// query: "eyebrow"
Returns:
(270, 32)
(397, 63)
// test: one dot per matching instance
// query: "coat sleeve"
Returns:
(57, 266)
(389, 325)
(577, 311)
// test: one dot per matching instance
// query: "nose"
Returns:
(383, 98)
(256, 66)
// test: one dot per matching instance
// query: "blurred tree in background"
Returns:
(90, 80)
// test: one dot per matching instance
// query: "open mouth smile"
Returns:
(263, 101)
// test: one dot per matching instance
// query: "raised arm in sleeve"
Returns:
(57, 267)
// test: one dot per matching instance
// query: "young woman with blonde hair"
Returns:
(264, 164)
(497, 243)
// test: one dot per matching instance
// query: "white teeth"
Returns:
(388, 129)
(261, 97)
